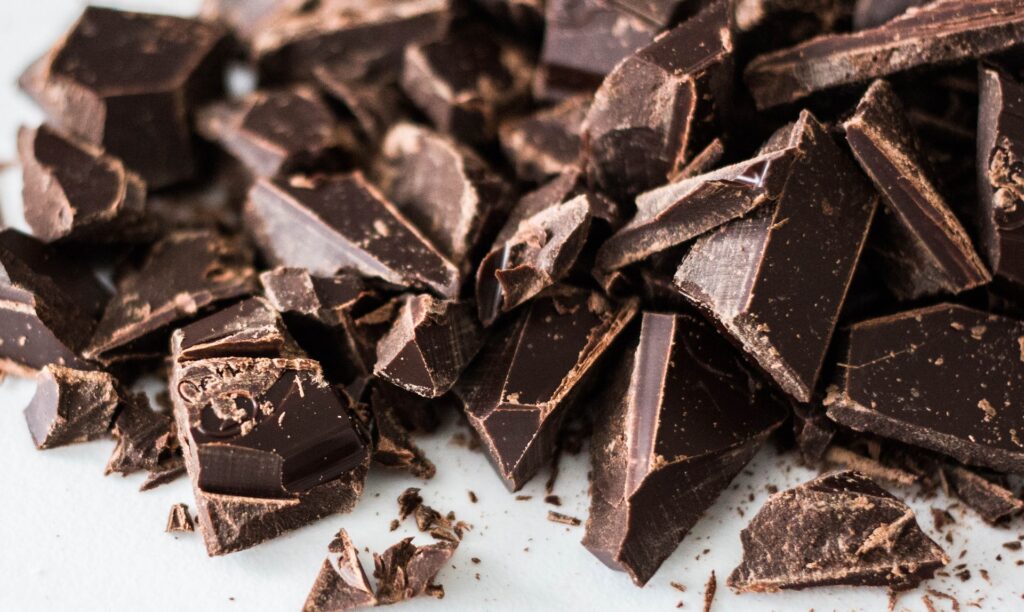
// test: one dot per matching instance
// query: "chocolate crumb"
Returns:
(408, 502)
(524, 497)
(394, 524)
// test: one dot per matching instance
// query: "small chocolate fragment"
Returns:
(992, 501)
(342, 583)
(405, 570)
(179, 519)
(128, 82)
(682, 418)
(873, 13)
(924, 247)
(375, 101)
(942, 32)
(329, 223)
(532, 371)
(546, 143)
(250, 328)
(144, 438)
(74, 191)
(70, 406)
(946, 377)
(776, 291)
(409, 500)
(839, 529)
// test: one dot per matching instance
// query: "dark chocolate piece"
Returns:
(682, 418)
(74, 191)
(375, 101)
(992, 501)
(405, 570)
(942, 32)
(653, 112)
(128, 82)
(873, 13)
(342, 583)
(945, 377)
(179, 519)
(924, 247)
(144, 438)
(71, 406)
(547, 142)
(326, 224)
(776, 291)
(250, 328)
(530, 373)
(839, 529)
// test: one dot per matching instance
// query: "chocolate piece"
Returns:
(993, 502)
(925, 249)
(250, 328)
(873, 13)
(942, 32)
(652, 113)
(375, 101)
(179, 519)
(325, 224)
(70, 406)
(445, 189)
(532, 371)
(182, 275)
(430, 343)
(405, 570)
(772, 289)
(946, 378)
(342, 583)
(561, 189)
(128, 82)
(839, 529)
(682, 418)
(546, 143)
(74, 191)
(144, 438)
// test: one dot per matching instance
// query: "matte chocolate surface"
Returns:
(342, 583)
(992, 501)
(545, 143)
(405, 570)
(70, 406)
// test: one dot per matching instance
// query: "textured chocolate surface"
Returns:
(70, 406)
(342, 583)
(545, 143)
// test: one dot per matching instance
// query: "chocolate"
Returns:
(70, 406)
(924, 248)
(532, 371)
(547, 142)
(653, 112)
(145, 438)
(866, 466)
(682, 417)
(405, 570)
(74, 191)
(942, 32)
(839, 529)
(776, 23)
(128, 82)
(342, 583)
(992, 501)
(179, 519)
(329, 223)
(780, 293)
(873, 13)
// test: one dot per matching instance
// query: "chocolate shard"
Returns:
(444, 188)
(683, 418)
(532, 371)
(992, 501)
(179, 519)
(839, 529)
(375, 100)
(74, 191)
(873, 13)
(945, 377)
(70, 406)
(128, 82)
(941, 32)
(544, 144)
(329, 223)
(145, 438)
(342, 583)
(653, 112)
(780, 293)
(430, 343)
(924, 247)
(183, 274)
(250, 328)
(405, 570)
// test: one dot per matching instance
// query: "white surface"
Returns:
(71, 539)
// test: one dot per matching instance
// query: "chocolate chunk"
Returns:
(547, 142)
(179, 519)
(128, 82)
(342, 582)
(942, 32)
(776, 291)
(70, 406)
(375, 101)
(445, 189)
(992, 501)
(839, 529)
(405, 570)
(652, 113)
(682, 418)
(873, 13)
(74, 191)
(530, 373)
(250, 328)
(144, 438)
(944, 378)
(392, 444)
(182, 275)
(431, 341)
(326, 224)
(923, 245)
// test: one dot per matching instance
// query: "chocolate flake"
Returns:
(709, 591)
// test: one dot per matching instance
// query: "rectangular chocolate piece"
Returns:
(545, 143)
(71, 406)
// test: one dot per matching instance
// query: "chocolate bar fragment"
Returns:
(781, 293)
(873, 13)
(945, 377)
(342, 584)
(444, 188)
(545, 143)
(924, 248)
(430, 342)
(405, 570)
(683, 418)
(250, 328)
(129, 82)
(74, 191)
(992, 501)
(839, 529)
(179, 519)
(145, 439)
(652, 113)
(532, 371)
(183, 274)
(324, 224)
(942, 32)
(70, 406)
(375, 101)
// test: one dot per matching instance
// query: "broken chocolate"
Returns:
(70, 406)
(547, 142)
(992, 501)
(179, 519)
(405, 570)
(342, 583)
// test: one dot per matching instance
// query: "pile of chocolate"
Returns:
(694, 224)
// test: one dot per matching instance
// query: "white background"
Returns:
(71, 539)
